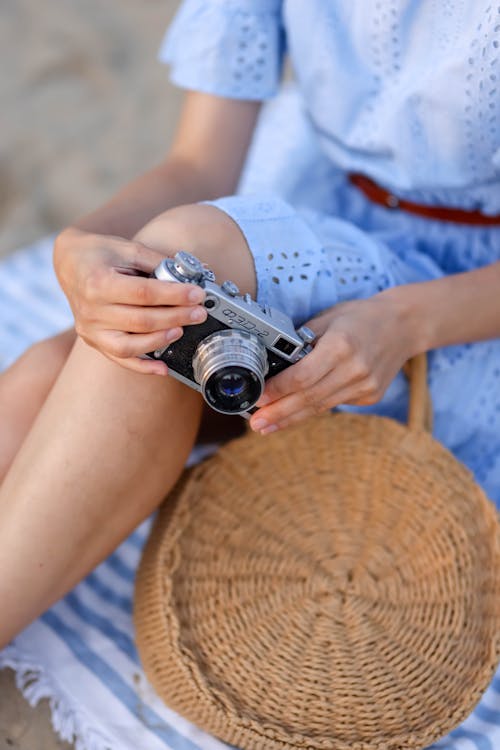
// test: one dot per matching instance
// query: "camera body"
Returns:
(228, 357)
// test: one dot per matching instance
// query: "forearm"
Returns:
(172, 183)
(204, 162)
(455, 309)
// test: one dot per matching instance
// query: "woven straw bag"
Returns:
(335, 586)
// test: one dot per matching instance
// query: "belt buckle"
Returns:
(391, 201)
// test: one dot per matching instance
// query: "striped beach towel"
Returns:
(81, 653)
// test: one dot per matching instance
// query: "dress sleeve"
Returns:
(230, 48)
(307, 261)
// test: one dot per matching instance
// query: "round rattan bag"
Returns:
(335, 586)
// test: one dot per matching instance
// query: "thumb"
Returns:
(139, 259)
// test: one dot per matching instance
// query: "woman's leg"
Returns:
(106, 447)
(23, 389)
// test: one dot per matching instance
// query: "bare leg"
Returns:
(24, 388)
(106, 447)
(25, 385)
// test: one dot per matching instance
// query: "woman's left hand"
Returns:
(360, 347)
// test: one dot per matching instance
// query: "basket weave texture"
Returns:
(335, 586)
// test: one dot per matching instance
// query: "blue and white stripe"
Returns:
(81, 653)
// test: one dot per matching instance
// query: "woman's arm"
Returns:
(204, 162)
(102, 271)
(453, 310)
(362, 344)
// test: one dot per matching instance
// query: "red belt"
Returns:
(384, 198)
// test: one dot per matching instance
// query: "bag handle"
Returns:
(420, 402)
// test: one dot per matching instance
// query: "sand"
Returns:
(85, 107)
(22, 727)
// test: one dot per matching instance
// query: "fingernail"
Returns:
(268, 430)
(198, 315)
(160, 371)
(196, 295)
(173, 334)
(259, 424)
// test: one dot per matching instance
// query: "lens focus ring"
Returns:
(230, 367)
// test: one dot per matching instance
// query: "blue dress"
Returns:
(404, 91)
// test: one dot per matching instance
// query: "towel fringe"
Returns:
(69, 722)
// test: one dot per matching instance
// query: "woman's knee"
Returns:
(208, 233)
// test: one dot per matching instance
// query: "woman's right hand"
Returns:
(118, 310)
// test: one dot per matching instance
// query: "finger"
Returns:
(149, 319)
(331, 349)
(125, 345)
(121, 288)
(292, 415)
(297, 377)
(139, 257)
(143, 366)
(351, 395)
(269, 418)
(331, 391)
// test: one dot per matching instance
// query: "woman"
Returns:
(403, 93)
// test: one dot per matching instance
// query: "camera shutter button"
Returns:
(188, 265)
(229, 287)
(306, 334)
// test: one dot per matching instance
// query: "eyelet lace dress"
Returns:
(406, 93)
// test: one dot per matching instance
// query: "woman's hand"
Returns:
(117, 309)
(361, 345)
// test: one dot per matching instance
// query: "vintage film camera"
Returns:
(228, 357)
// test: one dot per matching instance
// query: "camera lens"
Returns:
(231, 383)
(232, 389)
(230, 366)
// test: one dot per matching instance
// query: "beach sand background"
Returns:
(85, 107)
